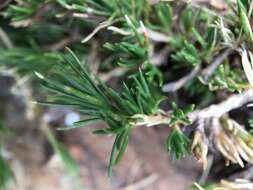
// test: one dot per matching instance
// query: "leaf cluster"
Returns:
(179, 116)
(76, 88)
(177, 144)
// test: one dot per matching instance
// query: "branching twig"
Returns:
(98, 28)
(174, 86)
(157, 36)
(207, 72)
(157, 59)
(119, 71)
(152, 35)
(217, 110)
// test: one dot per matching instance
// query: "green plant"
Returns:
(162, 50)
(136, 105)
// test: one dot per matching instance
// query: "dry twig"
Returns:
(206, 73)
(5, 39)
(217, 110)
(142, 183)
(174, 86)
